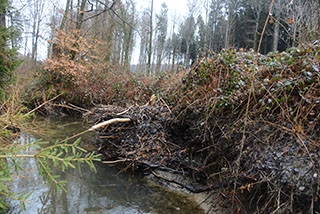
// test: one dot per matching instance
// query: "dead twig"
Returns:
(33, 110)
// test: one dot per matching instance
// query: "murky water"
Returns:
(107, 191)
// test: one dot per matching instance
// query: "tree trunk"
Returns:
(38, 17)
(65, 16)
(173, 61)
(187, 57)
(276, 30)
(56, 50)
(275, 39)
(150, 39)
(256, 29)
(158, 66)
(79, 22)
(4, 3)
(226, 42)
(80, 14)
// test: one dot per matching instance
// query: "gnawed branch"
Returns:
(108, 122)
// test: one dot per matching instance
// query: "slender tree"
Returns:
(258, 7)
(201, 34)
(144, 38)
(187, 33)
(150, 31)
(38, 14)
(231, 7)
(276, 25)
(162, 26)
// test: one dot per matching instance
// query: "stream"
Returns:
(107, 191)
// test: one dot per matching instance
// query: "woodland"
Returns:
(228, 96)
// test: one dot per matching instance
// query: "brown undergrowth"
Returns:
(241, 122)
(255, 120)
(80, 72)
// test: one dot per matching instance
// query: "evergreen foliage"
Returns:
(8, 59)
(62, 155)
(8, 56)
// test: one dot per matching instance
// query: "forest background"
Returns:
(91, 58)
(90, 47)
(122, 33)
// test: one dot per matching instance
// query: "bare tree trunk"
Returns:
(80, 14)
(158, 61)
(173, 59)
(187, 57)
(256, 29)
(226, 42)
(276, 30)
(37, 19)
(56, 50)
(150, 39)
(275, 39)
(65, 15)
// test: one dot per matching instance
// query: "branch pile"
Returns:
(240, 120)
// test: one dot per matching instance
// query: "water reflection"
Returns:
(107, 191)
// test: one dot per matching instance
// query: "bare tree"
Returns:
(149, 48)
(65, 15)
(304, 20)
(231, 7)
(187, 33)
(259, 6)
(144, 38)
(215, 25)
(123, 35)
(276, 23)
(38, 15)
(162, 26)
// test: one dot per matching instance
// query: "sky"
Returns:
(176, 8)
(174, 5)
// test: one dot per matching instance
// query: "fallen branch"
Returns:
(108, 122)
(46, 102)
(115, 161)
(190, 188)
(79, 108)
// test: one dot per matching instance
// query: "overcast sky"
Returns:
(178, 5)
(176, 8)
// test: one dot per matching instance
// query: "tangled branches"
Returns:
(242, 121)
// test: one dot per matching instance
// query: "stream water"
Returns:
(106, 191)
